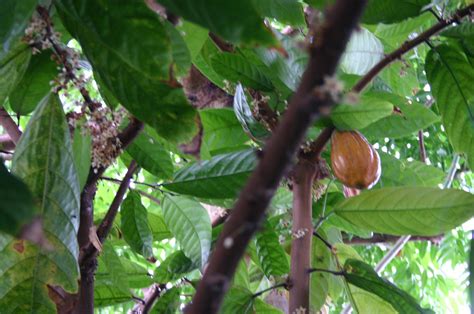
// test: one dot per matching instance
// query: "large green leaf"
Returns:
(194, 36)
(82, 149)
(221, 132)
(14, 18)
(34, 85)
(133, 63)
(411, 118)
(16, 207)
(367, 111)
(236, 21)
(392, 11)
(363, 276)
(181, 55)
(43, 160)
(174, 267)
(319, 285)
(285, 11)
(240, 300)
(158, 227)
(245, 117)
(191, 226)
(220, 177)
(12, 70)
(270, 253)
(148, 152)
(363, 51)
(107, 295)
(202, 62)
(134, 225)
(397, 172)
(408, 210)
(236, 68)
(449, 74)
(168, 302)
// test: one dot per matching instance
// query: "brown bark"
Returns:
(10, 126)
(303, 178)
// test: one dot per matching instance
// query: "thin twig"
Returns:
(335, 273)
(317, 235)
(280, 285)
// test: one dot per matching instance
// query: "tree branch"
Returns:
(278, 285)
(277, 157)
(9, 125)
(303, 178)
(6, 143)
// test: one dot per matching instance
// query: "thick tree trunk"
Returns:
(304, 175)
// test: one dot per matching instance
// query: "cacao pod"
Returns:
(354, 161)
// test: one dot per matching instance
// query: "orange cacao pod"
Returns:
(354, 161)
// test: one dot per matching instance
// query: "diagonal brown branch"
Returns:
(277, 157)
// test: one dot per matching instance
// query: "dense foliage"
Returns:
(128, 130)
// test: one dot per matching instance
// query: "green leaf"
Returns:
(237, 68)
(107, 295)
(43, 160)
(12, 70)
(367, 111)
(202, 62)
(174, 267)
(181, 55)
(413, 117)
(401, 79)
(241, 277)
(191, 226)
(319, 281)
(460, 31)
(286, 11)
(245, 117)
(397, 172)
(408, 210)
(82, 150)
(194, 36)
(363, 276)
(134, 63)
(271, 255)
(17, 207)
(449, 73)
(158, 227)
(148, 152)
(35, 84)
(237, 300)
(261, 307)
(392, 11)
(109, 262)
(221, 131)
(134, 225)
(235, 21)
(14, 18)
(168, 302)
(363, 51)
(220, 177)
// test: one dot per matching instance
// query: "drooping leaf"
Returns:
(134, 225)
(43, 160)
(202, 62)
(136, 69)
(168, 302)
(12, 70)
(358, 116)
(81, 147)
(173, 268)
(35, 84)
(179, 49)
(363, 276)
(286, 11)
(194, 36)
(397, 172)
(148, 152)
(220, 177)
(401, 79)
(158, 227)
(109, 262)
(319, 285)
(237, 68)
(241, 277)
(224, 19)
(191, 226)
(408, 210)
(449, 74)
(245, 117)
(392, 11)
(221, 132)
(237, 300)
(262, 307)
(271, 255)
(363, 51)
(14, 18)
(411, 118)
(17, 207)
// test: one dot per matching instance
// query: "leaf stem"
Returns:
(279, 285)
